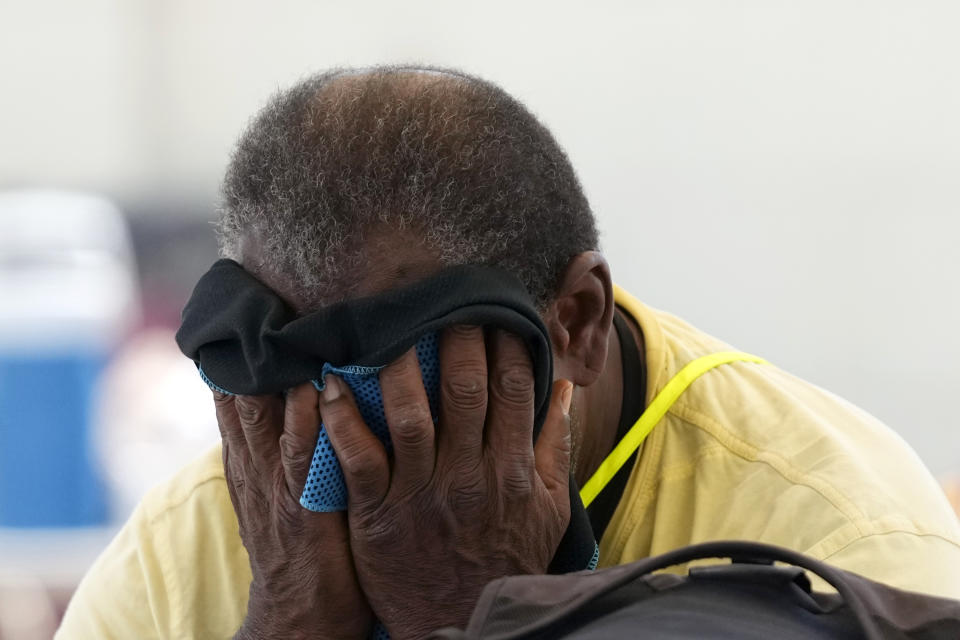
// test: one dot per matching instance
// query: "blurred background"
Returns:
(782, 174)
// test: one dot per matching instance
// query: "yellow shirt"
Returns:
(747, 452)
(751, 452)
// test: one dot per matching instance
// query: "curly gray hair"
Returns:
(446, 155)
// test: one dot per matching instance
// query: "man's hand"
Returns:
(459, 505)
(304, 584)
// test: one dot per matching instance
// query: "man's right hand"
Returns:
(304, 583)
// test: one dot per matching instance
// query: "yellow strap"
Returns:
(657, 409)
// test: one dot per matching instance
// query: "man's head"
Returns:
(352, 182)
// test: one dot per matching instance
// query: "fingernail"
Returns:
(566, 396)
(333, 388)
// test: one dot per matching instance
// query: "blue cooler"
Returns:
(67, 297)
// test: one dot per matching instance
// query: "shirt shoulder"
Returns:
(177, 568)
(752, 452)
(183, 486)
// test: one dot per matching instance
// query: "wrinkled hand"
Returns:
(304, 584)
(460, 504)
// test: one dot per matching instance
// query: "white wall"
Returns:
(783, 174)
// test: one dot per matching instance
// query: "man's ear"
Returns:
(580, 317)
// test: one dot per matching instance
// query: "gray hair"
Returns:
(431, 151)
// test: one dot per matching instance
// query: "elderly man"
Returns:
(358, 184)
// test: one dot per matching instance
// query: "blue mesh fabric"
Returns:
(325, 490)
(595, 560)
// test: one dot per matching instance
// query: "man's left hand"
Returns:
(459, 504)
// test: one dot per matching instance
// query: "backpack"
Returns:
(751, 597)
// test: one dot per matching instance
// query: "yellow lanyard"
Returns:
(652, 415)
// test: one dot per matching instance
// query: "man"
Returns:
(356, 183)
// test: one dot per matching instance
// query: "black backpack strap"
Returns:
(757, 552)
(590, 587)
